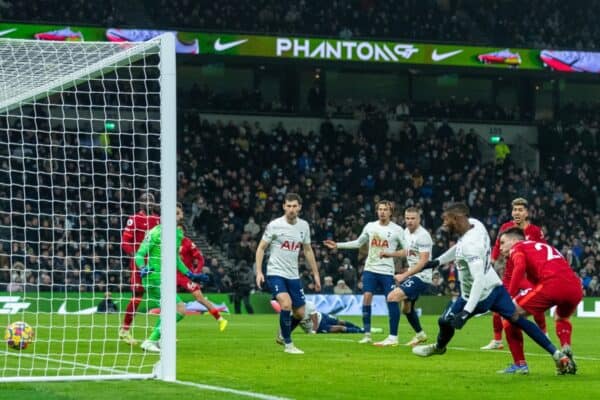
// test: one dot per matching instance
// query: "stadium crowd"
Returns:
(58, 232)
(235, 177)
(501, 23)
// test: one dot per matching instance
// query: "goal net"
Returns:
(85, 130)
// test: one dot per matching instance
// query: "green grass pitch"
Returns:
(334, 366)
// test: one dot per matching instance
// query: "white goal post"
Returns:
(86, 128)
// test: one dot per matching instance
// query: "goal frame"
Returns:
(165, 368)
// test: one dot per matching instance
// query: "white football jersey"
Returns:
(285, 242)
(309, 310)
(473, 259)
(418, 242)
(380, 238)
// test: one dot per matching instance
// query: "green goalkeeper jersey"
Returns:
(151, 247)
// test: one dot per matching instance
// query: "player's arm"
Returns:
(312, 262)
(353, 244)
(258, 260)
(476, 267)
(419, 266)
(128, 237)
(315, 322)
(538, 235)
(144, 250)
(518, 260)
(197, 256)
(448, 256)
(496, 249)
(397, 253)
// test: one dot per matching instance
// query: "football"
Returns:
(18, 335)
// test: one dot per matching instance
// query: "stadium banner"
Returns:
(329, 49)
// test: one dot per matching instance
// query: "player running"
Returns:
(133, 235)
(284, 237)
(520, 216)
(481, 288)
(193, 259)
(414, 281)
(381, 235)
(554, 284)
(148, 260)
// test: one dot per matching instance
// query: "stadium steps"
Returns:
(208, 250)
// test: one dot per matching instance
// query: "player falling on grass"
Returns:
(284, 237)
(193, 259)
(135, 230)
(414, 281)
(481, 288)
(520, 219)
(315, 321)
(554, 284)
(380, 235)
(148, 260)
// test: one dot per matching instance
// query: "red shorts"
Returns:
(135, 280)
(185, 283)
(565, 295)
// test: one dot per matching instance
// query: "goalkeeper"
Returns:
(150, 273)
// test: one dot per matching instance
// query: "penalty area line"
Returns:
(222, 389)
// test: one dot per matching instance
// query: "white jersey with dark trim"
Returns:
(285, 242)
(473, 261)
(418, 242)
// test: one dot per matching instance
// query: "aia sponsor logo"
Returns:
(290, 245)
(377, 242)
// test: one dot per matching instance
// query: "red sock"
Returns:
(215, 313)
(132, 307)
(514, 337)
(497, 320)
(540, 320)
(563, 331)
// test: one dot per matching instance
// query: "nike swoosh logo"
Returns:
(439, 57)
(6, 32)
(226, 46)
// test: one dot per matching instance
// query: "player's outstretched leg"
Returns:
(444, 336)
(564, 365)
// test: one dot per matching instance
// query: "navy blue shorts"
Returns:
(372, 281)
(413, 287)
(499, 301)
(293, 287)
(327, 321)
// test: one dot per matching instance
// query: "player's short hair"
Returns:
(387, 203)
(413, 210)
(457, 209)
(520, 201)
(514, 231)
(292, 197)
(146, 198)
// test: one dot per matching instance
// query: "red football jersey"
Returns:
(135, 230)
(540, 262)
(191, 255)
(532, 232)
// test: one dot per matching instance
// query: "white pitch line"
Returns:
(245, 393)
(58, 361)
(121, 372)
